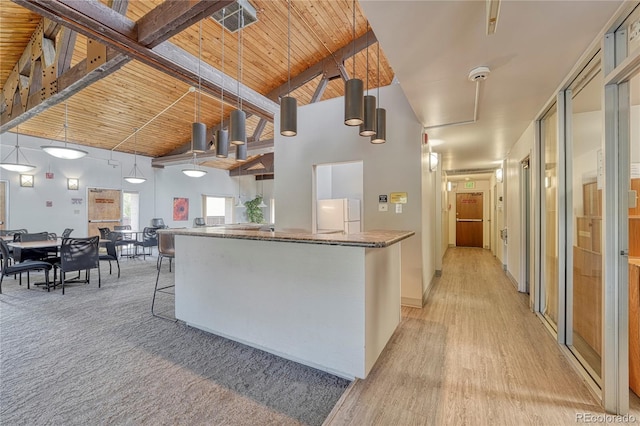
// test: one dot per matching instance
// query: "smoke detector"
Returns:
(479, 73)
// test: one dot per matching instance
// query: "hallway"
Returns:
(475, 354)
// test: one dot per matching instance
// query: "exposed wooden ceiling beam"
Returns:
(99, 22)
(331, 66)
(172, 160)
(249, 168)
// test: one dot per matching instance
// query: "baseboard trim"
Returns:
(340, 402)
(411, 302)
(512, 279)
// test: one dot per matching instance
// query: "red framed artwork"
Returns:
(180, 209)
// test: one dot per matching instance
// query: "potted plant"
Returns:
(254, 212)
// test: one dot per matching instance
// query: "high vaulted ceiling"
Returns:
(132, 94)
(431, 45)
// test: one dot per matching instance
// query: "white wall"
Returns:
(27, 206)
(391, 167)
(512, 211)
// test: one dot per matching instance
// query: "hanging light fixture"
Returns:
(241, 152)
(239, 201)
(368, 126)
(17, 166)
(237, 126)
(65, 151)
(222, 136)
(262, 204)
(198, 129)
(133, 175)
(353, 90)
(381, 114)
(194, 171)
(288, 104)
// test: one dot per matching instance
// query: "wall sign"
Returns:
(382, 198)
(398, 197)
(470, 185)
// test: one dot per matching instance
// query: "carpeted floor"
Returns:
(97, 356)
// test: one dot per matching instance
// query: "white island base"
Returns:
(331, 307)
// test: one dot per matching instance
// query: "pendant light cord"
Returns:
(241, 35)
(354, 39)
(367, 40)
(378, 72)
(199, 64)
(222, 90)
(288, 47)
(66, 123)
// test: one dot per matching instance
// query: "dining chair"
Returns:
(21, 255)
(111, 255)
(67, 232)
(78, 254)
(199, 221)
(125, 239)
(166, 249)
(149, 239)
(19, 268)
(158, 222)
(104, 233)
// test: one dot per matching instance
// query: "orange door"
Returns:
(104, 209)
(469, 219)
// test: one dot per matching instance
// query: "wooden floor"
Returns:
(474, 355)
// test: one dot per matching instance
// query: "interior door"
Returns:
(469, 222)
(104, 209)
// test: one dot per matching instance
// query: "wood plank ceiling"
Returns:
(105, 114)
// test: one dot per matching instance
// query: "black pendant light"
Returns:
(381, 114)
(199, 129)
(237, 123)
(241, 152)
(288, 104)
(222, 136)
(368, 126)
(353, 89)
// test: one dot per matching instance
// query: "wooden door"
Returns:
(3, 205)
(104, 209)
(469, 222)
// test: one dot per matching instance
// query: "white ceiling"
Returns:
(433, 45)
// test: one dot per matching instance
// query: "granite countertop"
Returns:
(371, 239)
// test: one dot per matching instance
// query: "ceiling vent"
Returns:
(232, 17)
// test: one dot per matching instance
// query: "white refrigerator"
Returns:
(338, 215)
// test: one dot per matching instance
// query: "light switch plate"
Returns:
(398, 208)
(383, 207)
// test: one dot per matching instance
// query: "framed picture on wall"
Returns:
(180, 209)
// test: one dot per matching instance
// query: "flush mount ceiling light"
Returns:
(65, 151)
(353, 89)
(133, 175)
(17, 166)
(288, 104)
(194, 171)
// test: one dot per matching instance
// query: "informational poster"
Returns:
(635, 170)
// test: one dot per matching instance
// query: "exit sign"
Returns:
(469, 185)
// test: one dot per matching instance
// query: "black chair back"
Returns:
(4, 251)
(67, 232)
(111, 245)
(38, 236)
(158, 222)
(12, 232)
(104, 233)
(122, 227)
(77, 254)
(199, 221)
(150, 236)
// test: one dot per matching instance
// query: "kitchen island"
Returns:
(330, 301)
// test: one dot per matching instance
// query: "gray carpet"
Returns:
(97, 356)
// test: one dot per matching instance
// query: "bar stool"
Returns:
(166, 249)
